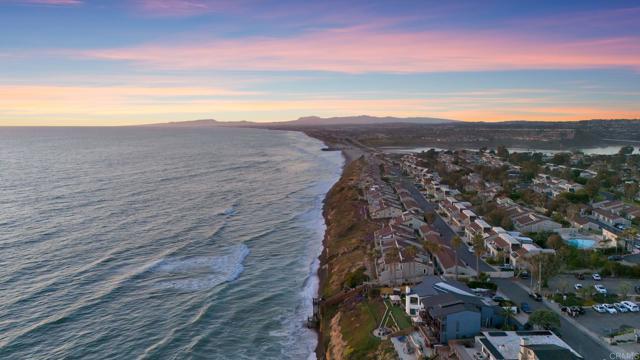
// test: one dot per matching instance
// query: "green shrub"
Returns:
(356, 278)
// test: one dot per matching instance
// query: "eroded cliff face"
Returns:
(348, 317)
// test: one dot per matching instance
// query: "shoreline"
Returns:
(349, 155)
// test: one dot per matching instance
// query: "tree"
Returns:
(584, 292)
(623, 290)
(544, 266)
(502, 152)
(630, 190)
(545, 319)
(456, 242)
(628, 236)
(410, 252)
(430, 217)
(431, 247)
(478, 249)
(592, 187)
(508, 315)
(555, 242)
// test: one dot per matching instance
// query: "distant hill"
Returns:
(362, 120)
(308, 121)
(200, 123)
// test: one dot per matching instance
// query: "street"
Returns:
(573, 336)
(444, 229)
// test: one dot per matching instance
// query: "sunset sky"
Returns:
(114, 62)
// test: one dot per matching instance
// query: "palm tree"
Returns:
(432, 248)
(456, 242)
(478, 249)
(411, 252)
(628, 235)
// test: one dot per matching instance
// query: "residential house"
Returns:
(524, 345)
(583, 223)
(609, 218)
(520, 257)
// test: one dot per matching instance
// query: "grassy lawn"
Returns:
(401, 317)
(357, 326)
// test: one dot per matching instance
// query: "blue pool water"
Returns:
(582, 243)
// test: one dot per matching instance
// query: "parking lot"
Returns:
(601, 323)
(612, 285)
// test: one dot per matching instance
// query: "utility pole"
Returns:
(540, 276)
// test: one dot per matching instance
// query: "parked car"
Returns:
(615, 258)
(577, 286)
(498, 299)
(600, 289)
(535, 296)
(596, 277)
(633, 307)
(621, 308)
(599, 308)
(573, 311)
(610, 308)
(637, 289)
(525, 308)
(506, 267)
(580, 276)
(579, 309)
(524, 275)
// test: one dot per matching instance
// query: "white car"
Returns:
(610, 308)
(599, 308)
(577, 286)
(600, 289)
(633, 307)
(596, 277)
(621, 308)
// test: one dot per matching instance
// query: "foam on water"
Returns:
(202, 272)
(140, 273)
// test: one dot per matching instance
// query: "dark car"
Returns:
(578, 309)
(580, 276)
(525, 308)
(524, 275)
(615, 258)
(535, 296)
(498, 299)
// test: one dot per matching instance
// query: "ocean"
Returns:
(158, 243)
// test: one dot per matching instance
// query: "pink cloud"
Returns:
(363, 49)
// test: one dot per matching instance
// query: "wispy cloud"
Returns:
(180, 8)
(363, 49)
(46, 2)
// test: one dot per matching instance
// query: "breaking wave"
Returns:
(202, 272)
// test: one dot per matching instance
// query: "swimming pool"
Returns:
(581, 243)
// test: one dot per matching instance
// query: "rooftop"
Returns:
(506, 344)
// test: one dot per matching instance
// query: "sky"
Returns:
(120, 62)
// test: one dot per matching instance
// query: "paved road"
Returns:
(583, 344)
(444, 229)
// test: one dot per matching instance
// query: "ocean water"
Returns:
(143, 243)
